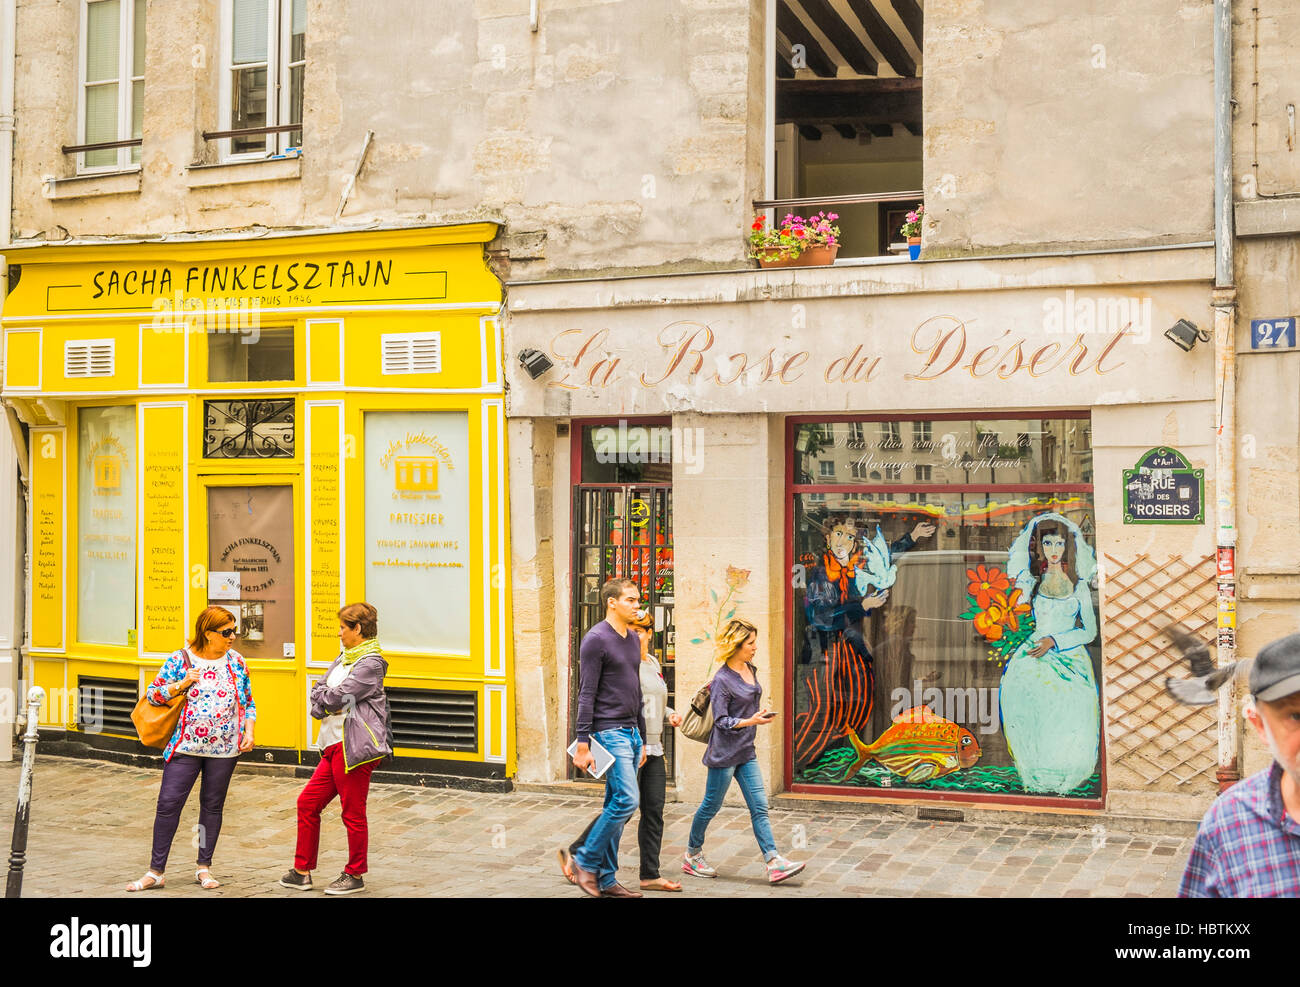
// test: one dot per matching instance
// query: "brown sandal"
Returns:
(661, 884)
(566, 864)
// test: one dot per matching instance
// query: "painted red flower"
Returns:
(984, 582)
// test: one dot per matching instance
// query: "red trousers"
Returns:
(328, 780)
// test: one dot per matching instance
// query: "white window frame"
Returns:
(279, 37)
(125, 87)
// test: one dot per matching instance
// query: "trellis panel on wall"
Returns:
(1155, 743)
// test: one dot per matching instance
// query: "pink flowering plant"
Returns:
(912, 227)
(795, 235)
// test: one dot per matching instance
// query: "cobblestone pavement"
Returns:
(92, 824)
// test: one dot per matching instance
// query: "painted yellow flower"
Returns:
(737, 578)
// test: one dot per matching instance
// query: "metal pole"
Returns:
(1225, 376)
(22, 813)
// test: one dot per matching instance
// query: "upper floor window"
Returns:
(846, 87)
(264, 53)
(112, 81)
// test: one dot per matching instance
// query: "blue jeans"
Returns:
(599, 854)
(750, 780)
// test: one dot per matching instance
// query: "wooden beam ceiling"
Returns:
(859, 102)
(909, 11)
(883, 37)
(795, 32)
(832, 25)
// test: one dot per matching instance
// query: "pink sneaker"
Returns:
(697, 866)
(779, 869)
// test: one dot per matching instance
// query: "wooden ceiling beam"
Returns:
(883, 37)
(845, 41)
(847, 131)
(909, 12)
(809, 132)
(862, 88)
(795, 32)
(881, 129)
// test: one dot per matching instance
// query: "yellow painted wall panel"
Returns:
(164, 620)
(49, 675)
(324, 528)
(49, 534)
(324, 356)
(22, 366)
(162, 356)
(278, 698)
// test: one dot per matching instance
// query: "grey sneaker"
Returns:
(779, 869)
(695, 865)
(296, 881)
(346, 883)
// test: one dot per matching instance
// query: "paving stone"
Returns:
(92, 823)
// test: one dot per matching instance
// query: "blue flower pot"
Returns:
(914, 251)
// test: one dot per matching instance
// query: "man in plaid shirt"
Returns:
(1248, 845)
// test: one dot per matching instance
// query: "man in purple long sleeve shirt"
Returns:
(609, 711)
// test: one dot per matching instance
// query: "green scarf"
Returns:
(368, 647)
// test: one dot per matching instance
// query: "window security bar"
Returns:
(213, 135)
(101, 146)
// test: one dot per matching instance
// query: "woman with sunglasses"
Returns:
(214, 729)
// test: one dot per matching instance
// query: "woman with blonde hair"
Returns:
(355, 735)
(737, 714)
(653, 776)
(215, 727)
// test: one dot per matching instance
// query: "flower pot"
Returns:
(914, 247)
(819, 256)
(773, 258)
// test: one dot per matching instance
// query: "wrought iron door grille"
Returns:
(625, 531)
(105, 705)
(248, 429)
(434, 719)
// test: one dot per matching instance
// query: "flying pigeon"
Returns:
(1206, 679)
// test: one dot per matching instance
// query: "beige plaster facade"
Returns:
(622, 142)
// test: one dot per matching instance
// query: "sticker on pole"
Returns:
(1163, 488)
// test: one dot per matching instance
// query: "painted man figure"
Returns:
(841, 689)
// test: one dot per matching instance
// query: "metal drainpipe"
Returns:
(8, 56)
(1224, 300)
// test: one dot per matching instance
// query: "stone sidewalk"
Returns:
(92, 824)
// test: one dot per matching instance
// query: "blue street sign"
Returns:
(1272, 334)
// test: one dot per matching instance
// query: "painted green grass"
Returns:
(981, 778)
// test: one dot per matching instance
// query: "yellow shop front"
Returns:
(278, 426)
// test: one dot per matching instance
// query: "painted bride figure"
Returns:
(1050, 708)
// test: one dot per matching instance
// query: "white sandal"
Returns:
(158, 882)
(206, 883)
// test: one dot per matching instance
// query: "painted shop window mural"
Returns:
(944, 620)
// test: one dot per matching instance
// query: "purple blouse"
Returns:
(733, 700)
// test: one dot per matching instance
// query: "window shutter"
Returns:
(250, 27)
(88, 358)
(411, 353)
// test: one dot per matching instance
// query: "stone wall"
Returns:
(1050, 131)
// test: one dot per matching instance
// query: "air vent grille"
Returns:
(105, 705)
(412, 353)
(88, 358)
(435, 719)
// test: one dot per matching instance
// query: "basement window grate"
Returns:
(105, 705)
(89, 358)
(411, 352)
(434, 719)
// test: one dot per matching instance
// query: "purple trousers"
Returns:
(178, 779)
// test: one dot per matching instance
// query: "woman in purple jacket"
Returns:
(735, 696)
(354, 735)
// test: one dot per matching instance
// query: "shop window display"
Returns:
(946, 638)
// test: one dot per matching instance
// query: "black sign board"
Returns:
(1164, 489)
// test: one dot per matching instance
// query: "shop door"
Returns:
(251, 565)
(624, 530)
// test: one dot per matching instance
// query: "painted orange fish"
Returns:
(919, 746)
